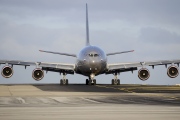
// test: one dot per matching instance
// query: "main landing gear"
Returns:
(64, 81)
(91, 80)
(115, 81)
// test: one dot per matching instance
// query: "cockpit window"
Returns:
(93, 55)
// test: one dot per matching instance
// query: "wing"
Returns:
(123, 67)
(58, 67)
(114, 53)
(67, 54)
(55, 67)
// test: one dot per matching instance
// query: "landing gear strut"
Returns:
(115, 81)
(91, 80)
(64, 81)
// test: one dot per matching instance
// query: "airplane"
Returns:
(91, 61)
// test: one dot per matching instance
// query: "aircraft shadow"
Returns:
(108, 88)
(75, 88)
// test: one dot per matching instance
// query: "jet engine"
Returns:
(7, 71)
(143, 74)
(172, 71)
(38, 74)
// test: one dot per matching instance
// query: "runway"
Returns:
(52, 101)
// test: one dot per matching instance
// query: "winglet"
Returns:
(87, 27)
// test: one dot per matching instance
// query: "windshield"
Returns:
(93, 55)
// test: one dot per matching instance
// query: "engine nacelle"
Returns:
(172, 71)
(7, 71)
(37, 74)
(143, 74)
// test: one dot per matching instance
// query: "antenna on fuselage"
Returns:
(87, 27)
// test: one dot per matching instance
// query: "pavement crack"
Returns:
(9, 91)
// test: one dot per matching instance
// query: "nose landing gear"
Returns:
(91, 80)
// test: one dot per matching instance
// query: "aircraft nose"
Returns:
(95, 61)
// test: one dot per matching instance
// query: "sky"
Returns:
(150, 27)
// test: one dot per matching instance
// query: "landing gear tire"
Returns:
(64, 82)
(115, 82)
(87, 81)
(118, 82)
(92, 82)
(112, 82)
(67, 82)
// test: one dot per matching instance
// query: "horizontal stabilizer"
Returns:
(119, 52)
(67, 54)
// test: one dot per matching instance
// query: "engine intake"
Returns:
(143, 74)
(37, 74)
(7, 71)
(172, 71)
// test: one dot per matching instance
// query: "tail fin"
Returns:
(87, 27)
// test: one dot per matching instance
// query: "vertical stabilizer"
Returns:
(87, 27)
